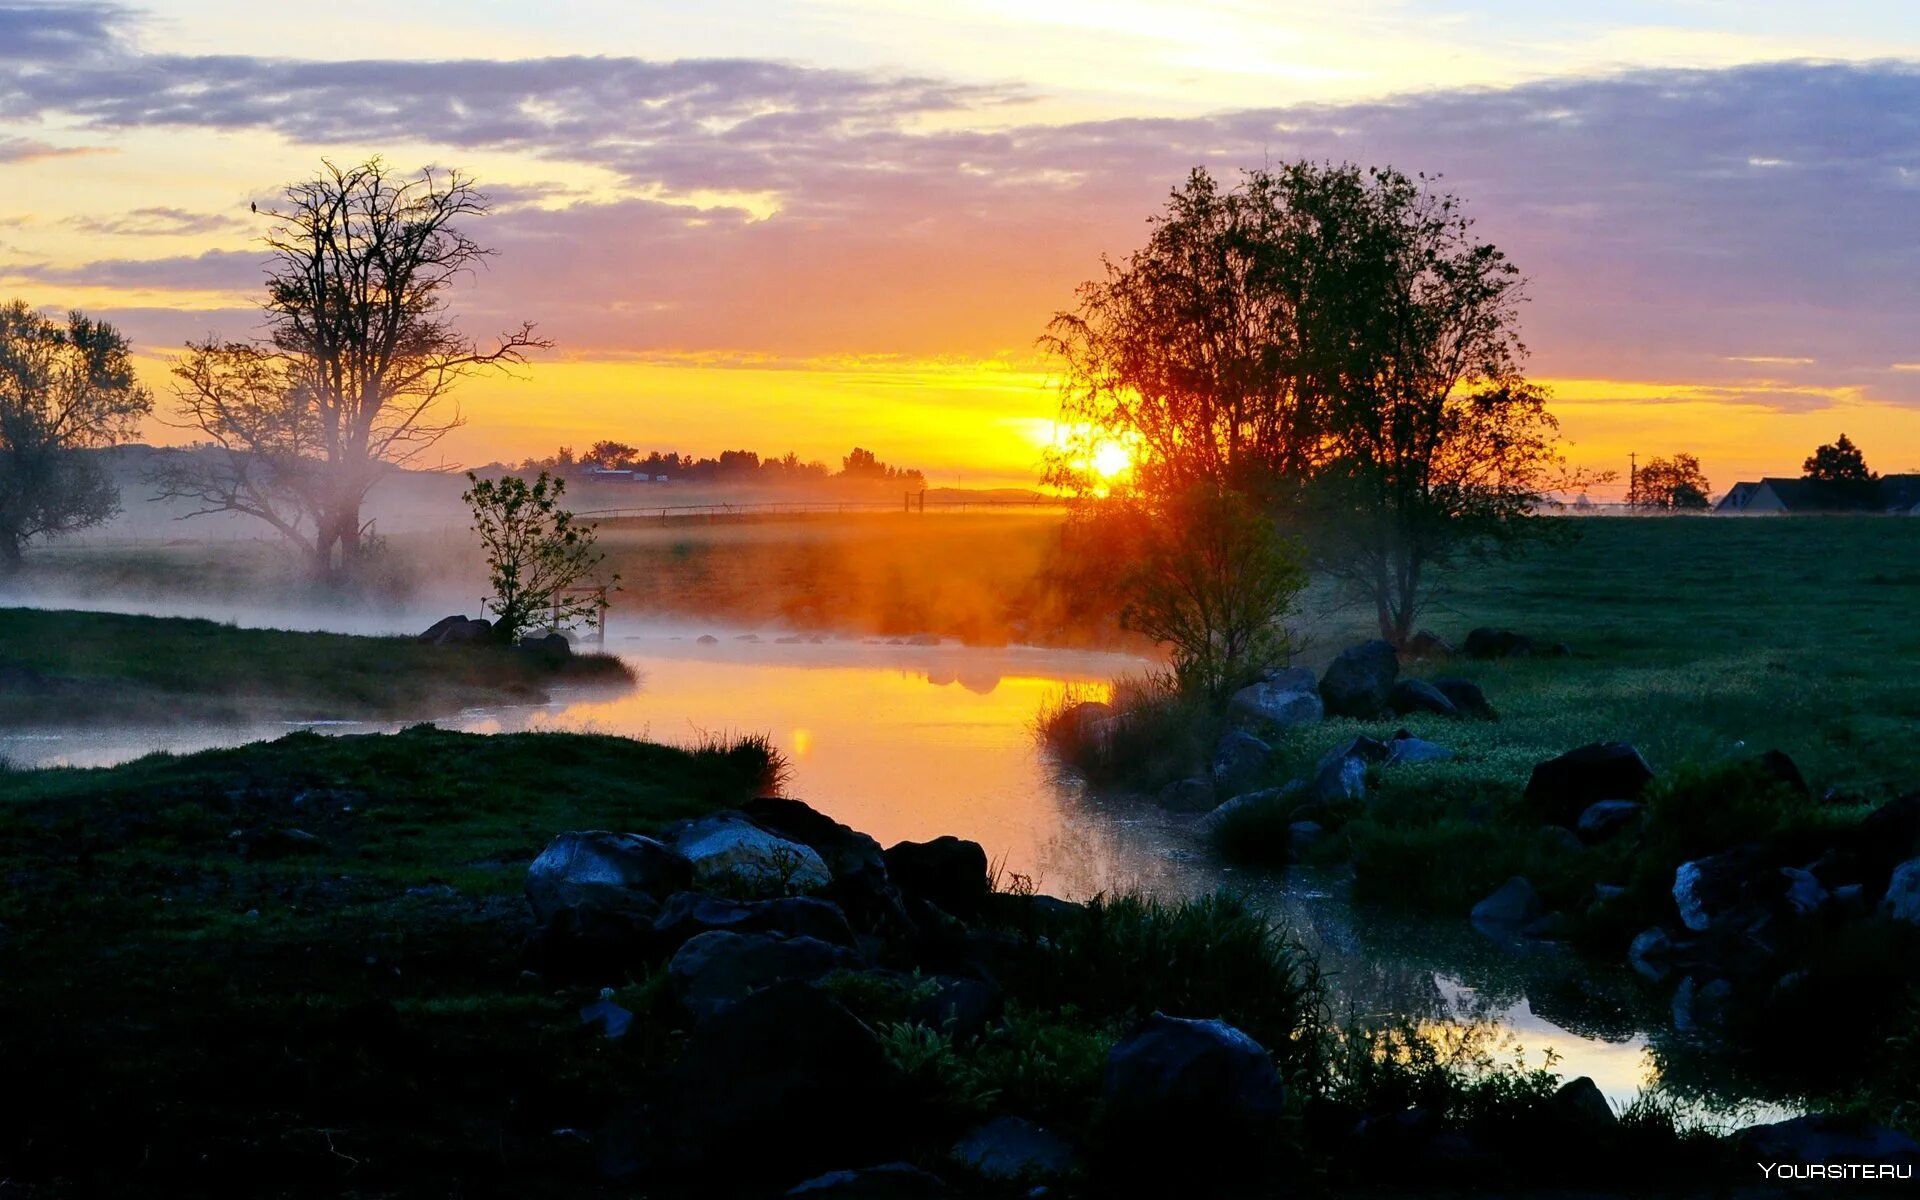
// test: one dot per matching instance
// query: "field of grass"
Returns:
(291, 967)
(84, 667)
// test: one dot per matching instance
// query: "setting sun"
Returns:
(1111, 460)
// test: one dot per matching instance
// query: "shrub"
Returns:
(1156, 734)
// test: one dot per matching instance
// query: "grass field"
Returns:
(91, 668)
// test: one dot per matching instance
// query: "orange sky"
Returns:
(849, 231)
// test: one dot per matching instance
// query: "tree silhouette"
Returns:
(1671, 484)
(64, 388)
(1842, 467)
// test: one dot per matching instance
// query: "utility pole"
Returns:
(1633, 476)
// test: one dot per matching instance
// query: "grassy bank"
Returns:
(63, 667)
(294, 960)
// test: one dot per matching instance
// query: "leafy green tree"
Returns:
(1842, 467)
(1674, 484)
(536, 552)
(1214, 581)
(65, 388)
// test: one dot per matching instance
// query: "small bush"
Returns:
(1155, 735)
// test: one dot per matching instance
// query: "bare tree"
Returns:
(354, 376)
(64, 389)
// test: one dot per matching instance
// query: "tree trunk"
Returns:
(9, 553)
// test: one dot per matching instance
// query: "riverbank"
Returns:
(67, 668)
(381, 964)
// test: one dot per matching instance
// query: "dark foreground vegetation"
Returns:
(337, 967)
(1743, 846)
(71, 668)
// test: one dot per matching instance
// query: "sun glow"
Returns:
(1110, 460)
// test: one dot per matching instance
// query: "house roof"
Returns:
(1899, 492)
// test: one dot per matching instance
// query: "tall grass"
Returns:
(1156, 733)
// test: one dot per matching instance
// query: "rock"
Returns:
(1427, 644)
(1902, 899)
(1700, 1008)
(1582, 1103)
(716, 970)
(924, 639)
(550, 647)
(1303, 836)
(1281, 702)
(1651, 954)
(1176, 1084)
(707, 639)
(1487, 642)
(889, 1181)
(1775, 765)
(1803, 895)
(1561, 839)
(596, 869)
(1009, 1150)
(1828, 1139)
(1562, 788)
(1359, 680)
(462, 632)
(1239, 762)
(1412, 751)
(1419, 696)
(964, 1009)
(1230, 810)
(1512, 904)
(1292, 679)
(438, 629)
(860, 884)
(1560, 650)
(613, 1020)
(1465, 695)
(1604, 818)
(1187, 796)
(687, 915)
(787, 1074)
(1339, 781)
(729, 851)
(1716, 890)
(948, 872)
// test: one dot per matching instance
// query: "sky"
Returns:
(813, 224)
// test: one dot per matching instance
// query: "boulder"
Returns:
(1652, 954)
(1803, 895)
(1087, 721)
(1512, 905)
(1187, 796)
(612, 1020)
(686, 915)
(1902, 899)
(1700, 1008)
(1581, 1102)
(1359, 680)
(1282, 701)
(1303, 836)
(1230, 810)
(787, 1074)
(1465, 696)
(1824, 1138)
(596, 869)
(1428, 644)
(1887, 837)
(551, 647)
(1562, 788)
(728, 851)
(1719, 890)
(1487, 642)
(860, 884)
(1339, 780)
(1175, 1084)
(1775, 765)
(948, 872)
(1604, 818)
(716, 970)
(433, 633)
(1419, 696)
(1412, 751)
(1239, 762)
(1011, 1150)
(464, 633)
(888, 1181)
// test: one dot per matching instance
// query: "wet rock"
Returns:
(1359, 680)
(1717, 891)
(686, 915)
(1187, 796)
(1465, 696)
(861, 886)
(1701, 1008)
(612, 871)
(1419, 696)
(1427, 644)
(788, 1073)
(1822, 1139)
(716, 970)
(1562, 788)
(1010, 1150)
(1413, 751)
(948, 872)
(1282, 703)
(1512, 904)
(1604, 819)
(1803, 895)
(1487, 642)
(1239, 762)
(888, 1181)
(1175, 1084)
(1902, 899)
(728, 851)
(1230, 810)
(1652, 954)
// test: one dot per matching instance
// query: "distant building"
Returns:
(1897, 494)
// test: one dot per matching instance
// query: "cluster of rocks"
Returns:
(757, 916)
(459, 630)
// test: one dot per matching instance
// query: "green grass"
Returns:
(254, 1009)
(105, 667)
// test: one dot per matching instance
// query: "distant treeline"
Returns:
(732, 466)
